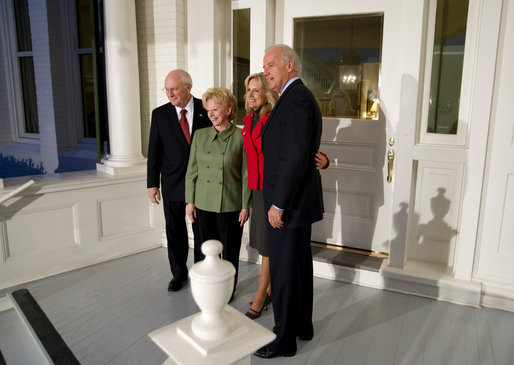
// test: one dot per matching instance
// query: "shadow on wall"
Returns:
(431, 240)
(10, 166)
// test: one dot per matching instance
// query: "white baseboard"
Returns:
(403, 281)
(348, 274)
(498, 298)
(5, 303)
(441, 286)
(418, 279)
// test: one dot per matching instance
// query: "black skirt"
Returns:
(258, 224)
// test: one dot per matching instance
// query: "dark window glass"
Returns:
(447, 64)
(85, 53)
(84, 9)
(340, 59)
(28, 86)
(21, 13)
(88, 95)
(241, 60)
(26, 66)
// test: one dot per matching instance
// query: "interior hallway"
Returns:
(104, 313)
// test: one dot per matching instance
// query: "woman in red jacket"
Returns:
(260, 99)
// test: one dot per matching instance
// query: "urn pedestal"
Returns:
(218, 334)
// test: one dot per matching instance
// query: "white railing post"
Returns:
(218, 334)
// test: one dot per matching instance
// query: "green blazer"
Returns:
(217, 178)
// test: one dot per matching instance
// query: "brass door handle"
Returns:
(390, 160)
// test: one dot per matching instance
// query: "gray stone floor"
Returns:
(104, 313)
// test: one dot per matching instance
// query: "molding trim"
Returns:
(5, 303)
(440, 286)
(498, 297)
(421, 282)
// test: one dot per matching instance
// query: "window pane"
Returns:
(340, 59)
(447, 62)
(84, 23)
(21, 13)
(28, 85)
(88, 95)
(241, 61)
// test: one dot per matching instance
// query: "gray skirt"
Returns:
(258, 224)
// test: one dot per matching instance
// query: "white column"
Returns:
(43, 75)
(123, 101)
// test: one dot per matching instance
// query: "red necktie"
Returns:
(184, 125)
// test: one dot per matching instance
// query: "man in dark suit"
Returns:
(168, 153)
(293, 198)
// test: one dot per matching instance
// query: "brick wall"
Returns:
(161, 48)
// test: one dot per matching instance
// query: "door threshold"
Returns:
(348, 257)
(380, 255)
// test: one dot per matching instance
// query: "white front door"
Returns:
(358, 197)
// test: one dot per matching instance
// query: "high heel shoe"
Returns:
(253, 314)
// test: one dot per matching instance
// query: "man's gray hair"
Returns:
(288, 54)
(185, 77)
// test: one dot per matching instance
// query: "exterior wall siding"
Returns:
(161, 48)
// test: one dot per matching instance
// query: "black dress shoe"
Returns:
(305, 338)
(176, 284)
(266, 353)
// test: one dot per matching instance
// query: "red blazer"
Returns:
(254, 156)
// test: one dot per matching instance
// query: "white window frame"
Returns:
(74, 52)
(13, 77)
(262, 29)
(468, 70)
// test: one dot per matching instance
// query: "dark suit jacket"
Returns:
(290, 140)
(168, 151)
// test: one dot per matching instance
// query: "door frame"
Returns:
(400, 116)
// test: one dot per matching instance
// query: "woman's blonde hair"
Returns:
(270, 94)
(223, 96)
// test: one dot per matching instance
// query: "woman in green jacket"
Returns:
(217, 178)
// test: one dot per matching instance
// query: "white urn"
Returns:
(212, 282)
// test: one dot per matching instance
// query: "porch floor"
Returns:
(105, 312)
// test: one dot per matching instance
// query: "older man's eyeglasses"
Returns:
(169, 91)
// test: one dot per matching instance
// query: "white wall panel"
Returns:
(40, 231)
(351, 156)
(123, 215)
(434, 220)
(68, 221)
(506, 241)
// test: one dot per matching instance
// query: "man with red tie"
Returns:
(172, 129)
